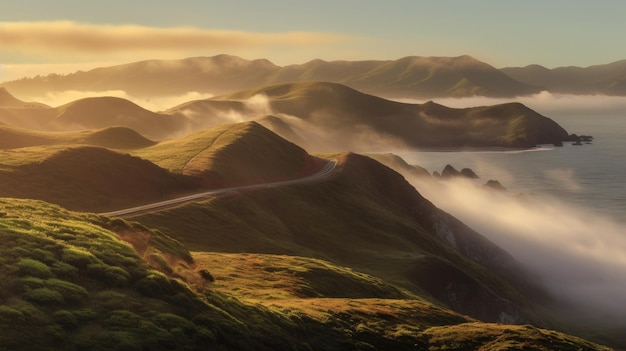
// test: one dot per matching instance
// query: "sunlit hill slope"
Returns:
(339, 112)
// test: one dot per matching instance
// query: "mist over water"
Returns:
(564, 214)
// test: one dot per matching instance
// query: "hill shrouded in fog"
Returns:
(318, 115)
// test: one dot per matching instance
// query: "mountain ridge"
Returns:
(408, 77)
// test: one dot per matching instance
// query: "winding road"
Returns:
(162, 205)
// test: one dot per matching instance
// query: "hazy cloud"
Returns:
(57, 38)
(564, 178)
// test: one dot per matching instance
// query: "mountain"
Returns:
(608, 79)
(233, 154)
(408, 77)
(112, 137)
(328, 116)
(369, 218)
(102, 112)
(425, 77)
(372, 264)
(8, 100)
(94, 113)
(89, 178)
(78, 171)
(343, 118)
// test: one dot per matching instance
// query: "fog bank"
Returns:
(579, 254)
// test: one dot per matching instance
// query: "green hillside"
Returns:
(392, 232)
(357, 120)
(233, 154)
(78, 281)
(111, 137)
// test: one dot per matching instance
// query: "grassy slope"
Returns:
(69, 280)
(234, 154)
(364, 306)
(103, 112)
(90, 178)
(87, 178)
(111, 137)
(390, 228)
(339, 109)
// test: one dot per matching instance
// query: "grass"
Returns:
(261, 156)
(70, 282)
(83, 281)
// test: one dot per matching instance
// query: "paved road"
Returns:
(162, 205)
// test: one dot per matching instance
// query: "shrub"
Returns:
(111, 274)
(70, 291)
(44, 296)
(65, 319)
(172, 322)
(77, 257)
(122, 320)
(32, 282)
(10, 315)
(28, 266)
(62, 269)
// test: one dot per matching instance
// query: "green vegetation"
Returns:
(261, 156)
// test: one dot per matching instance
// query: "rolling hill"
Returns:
(608, 79)
(392, 232)
(93, 113)
(8, 100)
(348, 119)
(79, 171)
(408, 77)
(372, 264)
(319, 115)
(81, 281)
(112, 137)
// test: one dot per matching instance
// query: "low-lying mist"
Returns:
(580, 255)
(544, 102)
(156, 104)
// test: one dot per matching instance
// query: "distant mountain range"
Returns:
(609, 79)
(409, 77)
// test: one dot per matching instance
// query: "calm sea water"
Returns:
(589, 176)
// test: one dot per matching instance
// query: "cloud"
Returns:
(80, 38)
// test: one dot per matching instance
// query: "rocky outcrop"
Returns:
(494, 185)
(450, 172)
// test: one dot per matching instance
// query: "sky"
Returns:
(41, 36)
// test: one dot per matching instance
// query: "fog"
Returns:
(544, 102)
(580, 255)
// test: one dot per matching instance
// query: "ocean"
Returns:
(590, 176)
(563, 215)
